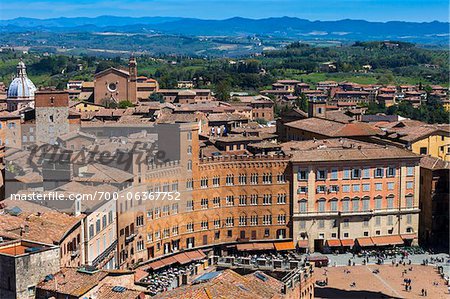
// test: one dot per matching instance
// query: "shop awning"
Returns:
(347, 242)
(139, 274)
(280, 246)
(169, 260)
(302, 244)
(244, 247)
(334, 243)
(409, 236)
(365, 242)
(263, 246)
(387, 240)
(195, 255)
(156, 265)
(182, 258)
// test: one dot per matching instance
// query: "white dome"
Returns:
(21, 87)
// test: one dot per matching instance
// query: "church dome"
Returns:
(21, 87)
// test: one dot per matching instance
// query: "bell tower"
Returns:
(317, 108)
(132, 83)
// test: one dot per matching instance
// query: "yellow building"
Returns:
(436, 145)
(421, 138)
(83, 106)
(446, 104)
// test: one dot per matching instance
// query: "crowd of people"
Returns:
(263, 259)
(165, 279)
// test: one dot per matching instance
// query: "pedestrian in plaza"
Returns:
(426, 293)
(423, 292)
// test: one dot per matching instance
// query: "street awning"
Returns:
(169, 260)
(263, 246)
(333, 243)
(245, 247)
(182, 258)
(195, 255)
(365, 242)
(409, 236)
(347, 242)
(387, 240)
(156, 265)
(139, 274)
(280, 246)
(302, 244)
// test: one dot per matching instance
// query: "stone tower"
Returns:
(317, 108)
(52, 115)
(132, 85)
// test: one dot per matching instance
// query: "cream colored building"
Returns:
(344, 190)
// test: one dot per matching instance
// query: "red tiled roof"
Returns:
(108, 292)
(69, 281)
(332, 128)
(229, 284)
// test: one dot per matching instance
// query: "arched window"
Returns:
(243, 219)
(345, 204)
(366, 203)
(321, 205)
(334, 205)
(303, 206)
(378, 202)
(204, 223)
(409, 201)
(355, 204)
(281, 219)
(390, 201)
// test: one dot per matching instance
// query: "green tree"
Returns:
(156, 97)
(125, 104)
(302, 102)
(261, 121)
(223, 89)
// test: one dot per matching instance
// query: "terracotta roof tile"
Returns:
(332, 128)
(69, 281)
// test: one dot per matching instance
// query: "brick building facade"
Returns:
(223, 200)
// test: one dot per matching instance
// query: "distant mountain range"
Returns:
(283, 27)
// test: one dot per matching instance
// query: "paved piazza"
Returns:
(387, 283)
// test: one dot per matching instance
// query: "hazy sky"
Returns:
(373, 10)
